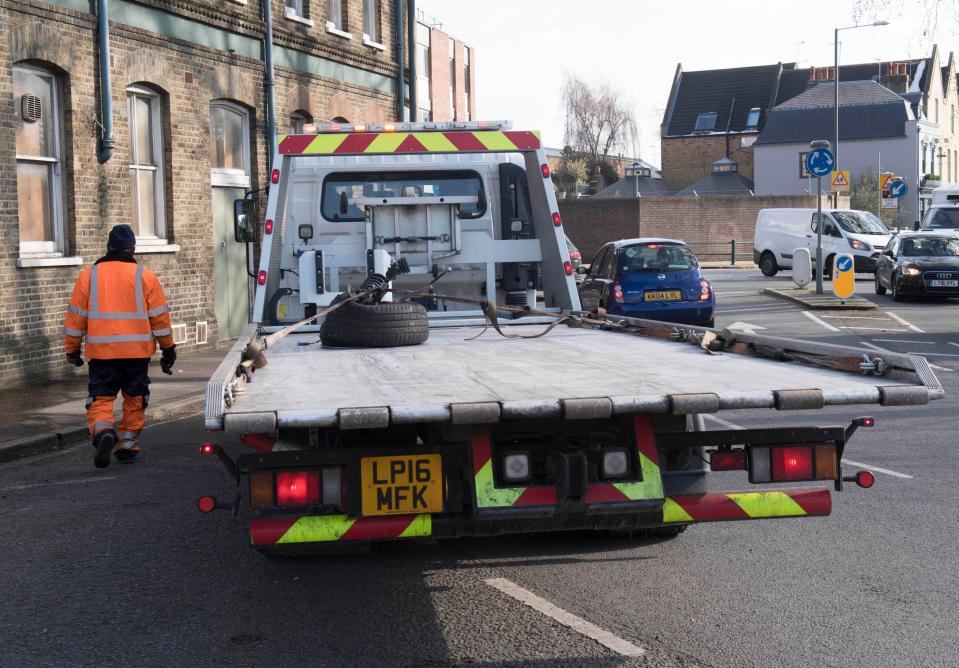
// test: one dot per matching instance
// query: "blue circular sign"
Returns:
(844, 263)
(898, 188)
(820, 161)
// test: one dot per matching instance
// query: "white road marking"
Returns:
(869, 345)
(953, 344)
(877, 469)
(820, 322)
(874, 329)
(915, 343)
(941, 368)
(725, 423)
(902, 322)
(854, 317)
(745, 327)
(738, 294)
(870, 467)
(78, 481)
(567, 619)
(929, 354)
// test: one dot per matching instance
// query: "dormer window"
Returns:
(725, 166)
(706, 122)
(752, 119)
(638, 169)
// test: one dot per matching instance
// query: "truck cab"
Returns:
(943, 214)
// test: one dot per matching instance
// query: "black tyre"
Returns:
(768, 264)
(384, 325)
(827, 266)
(894, 289)
(880, 288)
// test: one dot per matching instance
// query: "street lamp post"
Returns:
(835, 134)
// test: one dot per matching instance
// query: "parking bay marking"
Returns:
(904, 323)
(820, 322)
(567, 619)
(877, 469)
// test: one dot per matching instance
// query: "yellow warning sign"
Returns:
(843, 276)
(885, 179)
(840, 181)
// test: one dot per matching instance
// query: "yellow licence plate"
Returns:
(663, 295)
(402, 484)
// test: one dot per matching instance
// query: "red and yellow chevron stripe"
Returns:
(371, 143)
(328, 528)
(727, 506)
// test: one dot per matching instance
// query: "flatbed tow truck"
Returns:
(402, 377)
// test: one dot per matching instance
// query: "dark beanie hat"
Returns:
(122, 238)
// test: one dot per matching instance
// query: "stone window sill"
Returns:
(38, 261)
(143, 249)
(293, 16)
(333, 30)
(376, 45)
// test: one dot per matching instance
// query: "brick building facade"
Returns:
(189, 127)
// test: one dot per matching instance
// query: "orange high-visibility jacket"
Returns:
(121, 310)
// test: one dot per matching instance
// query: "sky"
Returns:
(524, 48)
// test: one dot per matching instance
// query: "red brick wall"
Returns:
(688, 159)
(440, 80)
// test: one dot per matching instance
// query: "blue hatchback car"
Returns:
(658, 279)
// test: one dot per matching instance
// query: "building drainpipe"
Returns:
(411, 40)
(105, 147)
(270, 104)
(401, 66)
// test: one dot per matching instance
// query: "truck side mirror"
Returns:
(244, 220)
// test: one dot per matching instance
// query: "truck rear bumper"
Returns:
(674, 510)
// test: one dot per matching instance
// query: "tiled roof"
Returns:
(722, 183)
(624, 188)
(714, 90)
(850, 93)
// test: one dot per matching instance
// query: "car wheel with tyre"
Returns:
(768, 264)
(880, 288)
(383, 325)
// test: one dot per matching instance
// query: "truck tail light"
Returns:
(704, 289)
(261, 278)
(275, 176)
(557, 219)
(568, 268)
(268, 227)
(206, 504)
(792, 463)
(297, 488)
(545, 169)
(270, 489)
(727, 460)
(618, 294)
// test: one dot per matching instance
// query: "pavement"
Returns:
(808, 298)
(117, 567)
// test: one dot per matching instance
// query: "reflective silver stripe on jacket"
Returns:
(120, 338)
(159, 310)
(72, 332)
(96, 314)
(78, 310)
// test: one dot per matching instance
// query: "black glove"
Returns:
(167, 359)
(75, 359)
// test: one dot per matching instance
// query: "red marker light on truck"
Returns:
(207, 449)
(557, 219)
(727, 460)
(275, 176)
(568, 267)
(792, 463)
(261, 278)
(297, 488)
(865, 479)
(206, 504)
(268, 227)
(545, 169)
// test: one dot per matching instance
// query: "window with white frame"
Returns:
(466, 83)
(335, 15)
(39, 150)
(229, 144)
(146, 164)
(371, 20)
(295, 8)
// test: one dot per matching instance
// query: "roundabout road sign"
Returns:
(820, 161)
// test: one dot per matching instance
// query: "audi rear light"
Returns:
(568, 268)
(297, 488)
(618, 294)
(727, 460)
(792, 464)
(261, 489)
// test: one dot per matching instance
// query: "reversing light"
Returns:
(275, 176)
(545, 169)
(615, 463)
(332, 486)
(727, 460)
(557, 219)
(297, 488)
(261, 278)
(516, 466)
(268, 227)
(207, 449)
(206, 504)
(618, 294)
(568, 267)
(759, 468)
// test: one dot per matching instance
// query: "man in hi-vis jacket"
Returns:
(119, 307)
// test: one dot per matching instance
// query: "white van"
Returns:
(943, 214)
(779, 232)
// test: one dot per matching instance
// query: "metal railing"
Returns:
(732, 250)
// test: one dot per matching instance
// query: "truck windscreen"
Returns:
(942, 219)
(400, 184)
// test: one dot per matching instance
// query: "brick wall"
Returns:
(706, 223)
(188, 77)
(440, 78)
(688, 159)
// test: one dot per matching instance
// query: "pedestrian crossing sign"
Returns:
(840, 181)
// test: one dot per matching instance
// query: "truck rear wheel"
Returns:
(383, 325)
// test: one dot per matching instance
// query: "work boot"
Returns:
(104, 446)
(126, 455)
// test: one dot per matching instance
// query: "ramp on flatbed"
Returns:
(569, 373)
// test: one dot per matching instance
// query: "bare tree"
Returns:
(939, 16)
(599, 121)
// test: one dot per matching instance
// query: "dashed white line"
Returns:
(953, 344)
(567, 619)
(904, 323)
(820, 322)
(870, 467)
(78, 481)
(877, 469)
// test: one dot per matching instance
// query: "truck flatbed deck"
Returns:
(568, 371)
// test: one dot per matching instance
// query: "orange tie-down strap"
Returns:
(365, 143)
